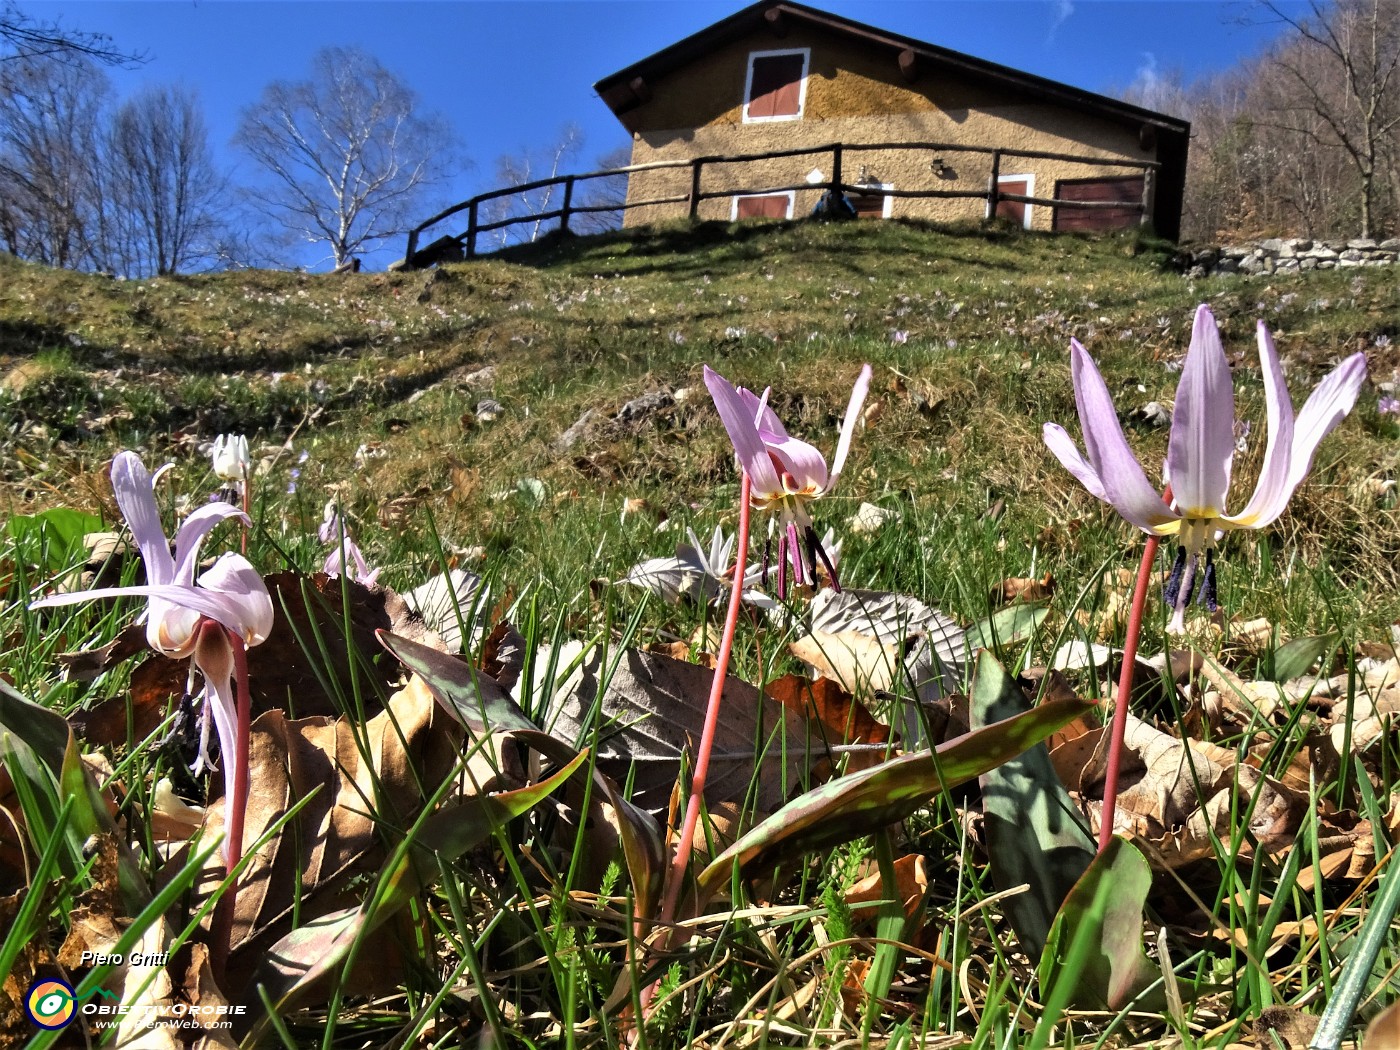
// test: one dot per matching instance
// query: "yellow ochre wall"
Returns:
(855, 94)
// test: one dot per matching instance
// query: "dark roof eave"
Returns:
(617, 92)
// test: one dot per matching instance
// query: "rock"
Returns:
(1361, 244)
(571, 437)
(1273, 244)
(870, 518)
(641, 407)
(1390, 244)
(488, 409)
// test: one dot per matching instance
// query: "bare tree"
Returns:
(521, 169)
(610, 191)
(346, 153)
(24, 37)
(50, 140)
(163, 188)
(1343, 71)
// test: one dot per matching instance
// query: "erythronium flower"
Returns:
(231, 459)
(786, 473)
(333, 530)
(1200, 450)
(230, 597)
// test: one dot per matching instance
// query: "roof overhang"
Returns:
(629, 88)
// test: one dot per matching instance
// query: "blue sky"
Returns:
(509, 73)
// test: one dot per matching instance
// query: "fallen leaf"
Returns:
(643, 709)
(885, 648)
(911, 884)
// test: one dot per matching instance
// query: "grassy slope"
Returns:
(333, 363)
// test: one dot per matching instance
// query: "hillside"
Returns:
(384, 380)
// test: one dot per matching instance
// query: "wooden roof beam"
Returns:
(909, 65)
(640, 88)
(776, 21)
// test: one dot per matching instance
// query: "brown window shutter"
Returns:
(775, 88)
(771, 206)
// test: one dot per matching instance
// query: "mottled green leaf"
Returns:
(478, 702)
(1094, 957)
(1035, 835)
(310, 952)
(1015, 623)
(39, 743)
(470, 696)
(62, 527)
(852, 806)
(1296, 658)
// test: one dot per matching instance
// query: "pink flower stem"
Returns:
(680, 860)
(247, 501)
(1125, 686)
(236, 804)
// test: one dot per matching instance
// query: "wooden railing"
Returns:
(462, 245)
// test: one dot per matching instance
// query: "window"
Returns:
(1016, 211)
(764, 206)
(776, 87)
(869, 202)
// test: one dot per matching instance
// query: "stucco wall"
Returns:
(855, 95)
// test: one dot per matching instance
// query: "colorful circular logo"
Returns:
(50, 1003)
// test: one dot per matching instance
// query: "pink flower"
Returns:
(785, 473)
(231, 593)
(1201, 449)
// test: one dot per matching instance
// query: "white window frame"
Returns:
(806, 53)
(1029, 180)
(876, 187)
(789, 194)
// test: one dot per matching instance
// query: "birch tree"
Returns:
(346, 156)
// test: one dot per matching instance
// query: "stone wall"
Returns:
(1288, 256)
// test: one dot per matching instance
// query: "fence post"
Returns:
(694, 187)
(568, 203)
(993, 192)
(1149, 191)
(411, 250)
(836, 170)
(471, 230)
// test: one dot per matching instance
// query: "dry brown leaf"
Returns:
(200, 990)
(333, 838)
(843, 718)
(653, 708)
(1284, 1027)
(911, 883)
(1383, 1033)
(1022, 588)
(1173, 794)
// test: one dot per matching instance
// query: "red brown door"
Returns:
(1126, 190)
(1013, 210)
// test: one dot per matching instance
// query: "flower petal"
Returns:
(245, 595)
(848, 425)
(1125, 485)
(192, 533)
(133, 487)
(1067, 452)
(806, 465)
(1202, 440)
(738, 420)
(1324, 409)
(1272, 492)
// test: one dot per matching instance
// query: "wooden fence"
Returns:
(464, 245)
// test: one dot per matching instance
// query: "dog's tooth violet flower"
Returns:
(785, 474)
(1200, 451)
(229, 597)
